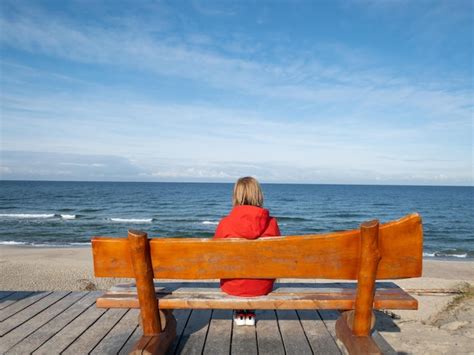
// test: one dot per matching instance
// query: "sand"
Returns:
(444, 322)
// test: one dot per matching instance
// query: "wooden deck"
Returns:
(70, 323)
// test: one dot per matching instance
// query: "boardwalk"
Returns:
(69, 323)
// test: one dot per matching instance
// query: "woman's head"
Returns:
(247, 191)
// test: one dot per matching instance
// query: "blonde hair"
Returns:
(247, 191)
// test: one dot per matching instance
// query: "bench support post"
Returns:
(353, 327)
(158, 331)
(141, 261)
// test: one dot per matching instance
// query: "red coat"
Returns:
(249, 222)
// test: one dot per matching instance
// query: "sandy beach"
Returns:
(443, 324)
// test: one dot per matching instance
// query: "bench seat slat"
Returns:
(282, 298)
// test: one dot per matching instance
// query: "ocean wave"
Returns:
(68, 216)
(441, 254)
(27, 215)
(209, 222)
(10, 242)
(132, 220)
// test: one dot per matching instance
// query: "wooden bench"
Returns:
(389, 251)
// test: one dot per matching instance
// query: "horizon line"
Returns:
(230, 182)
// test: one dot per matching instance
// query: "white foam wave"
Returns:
(10, 242)
(79, 244)
(210, 222)
(445, 255)
(132, 220)
(68, 216)
(27, 215)
(459, 255)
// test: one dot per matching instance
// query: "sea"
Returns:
(47, 213)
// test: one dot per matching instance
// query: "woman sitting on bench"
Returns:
(250, 221)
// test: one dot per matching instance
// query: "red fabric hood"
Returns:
(248, 222)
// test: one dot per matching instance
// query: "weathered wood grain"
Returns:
(329, 318)
(21, 304)
(118, 335)
(13, 297)
(268, 334)
(54, 325)
(219, 334)
(160, 343)
(194, 335)
(94, 334)
(32, 324)
(330, 256)
(62, 339)
(131, 341)
(182, 317)
(244, 340)
(18, 318)
(385, 347)
(319, 338)
(292, 333)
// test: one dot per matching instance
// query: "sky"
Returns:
(342, 92)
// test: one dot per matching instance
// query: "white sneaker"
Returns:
(250, 318)
(239, 318)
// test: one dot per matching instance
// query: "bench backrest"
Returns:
(328, 256)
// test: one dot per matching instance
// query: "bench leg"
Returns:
(158, 344)
(355, 344)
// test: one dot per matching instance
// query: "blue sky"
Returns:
(364, 92)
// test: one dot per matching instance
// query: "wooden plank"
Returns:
(131, 341)
(161, 342)
(343, 298)
(94, 334)
(244, 340)
(330, 256)
(329, 318)
(28, 327)
(55, 324)
(219, 334)
(384, 346)
(292, 333)
(22, 304)
(269, 339)
(118, 335)
(13, 297)
(318, 336)
(182, 317)
(70, 332)
(194, 335)
(18, 318)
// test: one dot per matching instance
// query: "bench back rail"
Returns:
(327, 256)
